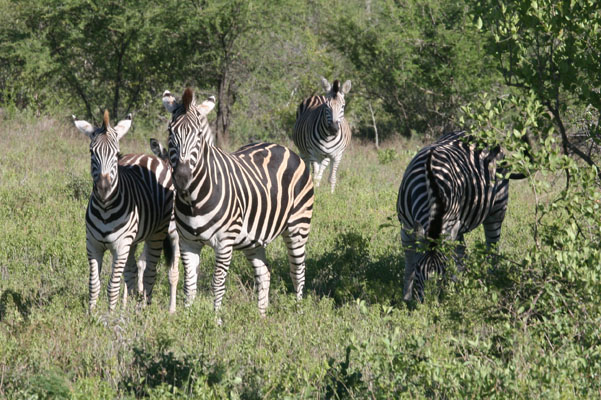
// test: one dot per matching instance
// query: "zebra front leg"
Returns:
(333, 170)
(130, 275)
(315, 166)
(258, 260)
(409, 243)
(173, 242)
(120, 256)
(223, 258)
(148, 261)
(190, 254)
(320, 170)
(95, 262)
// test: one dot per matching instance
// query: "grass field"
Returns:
(350, 337)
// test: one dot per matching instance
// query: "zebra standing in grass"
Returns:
(449, 188)
(321, 133)
(241, 201)
(131, 201)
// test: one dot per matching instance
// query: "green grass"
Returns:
(351, 336)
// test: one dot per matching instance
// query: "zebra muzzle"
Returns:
(103, 186)
(182, 176)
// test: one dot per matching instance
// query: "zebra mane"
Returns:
(335, 87)
(105, 119)
(436, 202)
(188, 98)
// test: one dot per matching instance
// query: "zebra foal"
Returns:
(131, 202)
(448, 189)
(321, 133)
(235, 201)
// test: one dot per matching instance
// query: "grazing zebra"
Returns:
(131, 201)
(449, 188)
(241, 200)
(321, 133)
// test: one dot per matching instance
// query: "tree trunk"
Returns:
(223, 110)
(373, 120)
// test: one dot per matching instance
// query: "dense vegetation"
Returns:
(524, 74)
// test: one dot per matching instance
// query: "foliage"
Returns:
(549, 48)
(420, 59)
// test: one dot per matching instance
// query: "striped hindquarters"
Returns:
(448, 189)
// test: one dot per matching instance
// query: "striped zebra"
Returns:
(449, 188)
(321, 133)
(131, 201)
(241, 200)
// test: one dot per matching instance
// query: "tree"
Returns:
(105, 54)
(550, 48)
(418, 59)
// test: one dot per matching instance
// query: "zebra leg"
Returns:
(120, 255)
(174, 267)
(258, 260)
(320, 170)
(130, 274)
(409, 243)
(333, 171)
(223, 258)
(460, 253)
(295, 243)
(95, 261)
(190, 253)
(492, 229)
(148, 263)
(315, 165)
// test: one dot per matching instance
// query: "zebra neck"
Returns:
(209, 176)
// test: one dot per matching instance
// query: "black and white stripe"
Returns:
(449, 188)
(131, 202)
(321, 133)
(241, 201)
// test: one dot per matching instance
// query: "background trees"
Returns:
(413, 64)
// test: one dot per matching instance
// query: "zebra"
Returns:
(448, 189)
(236, 201)
(321, 133)
(131, 201)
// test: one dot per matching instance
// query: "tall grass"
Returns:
(351, 336)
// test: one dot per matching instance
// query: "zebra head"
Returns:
(334, 105)
(104, 153)
(189, 132)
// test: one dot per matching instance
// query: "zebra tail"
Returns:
(436, 201)
(168, 250)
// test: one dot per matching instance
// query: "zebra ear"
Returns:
(123, 126)
(169, 101)
(158, 149)
(326, 85)
(346, 87)
(207, 106)
(84, 127)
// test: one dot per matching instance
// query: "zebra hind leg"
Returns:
(258, 260)
(409, 243)
(296, 243)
